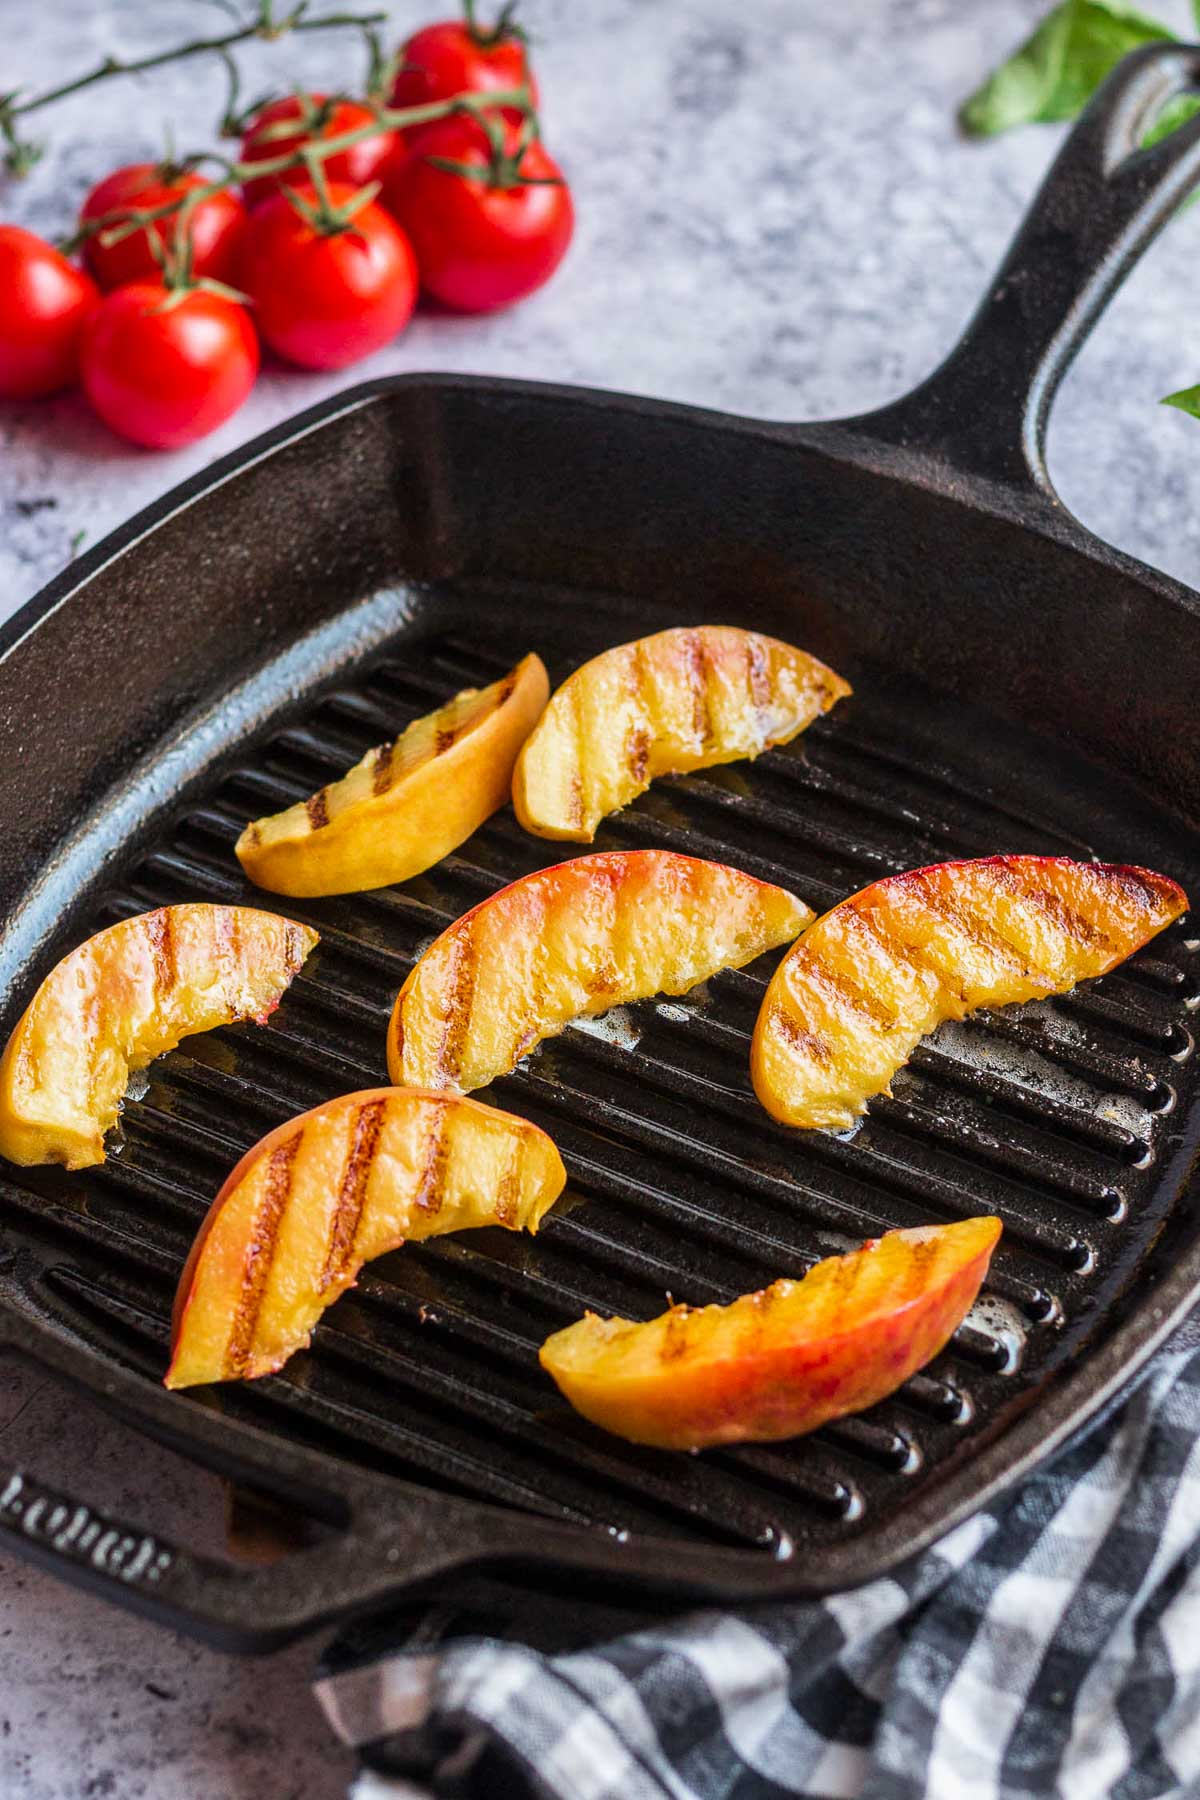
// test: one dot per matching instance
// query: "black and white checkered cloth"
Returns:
(1049, 1647)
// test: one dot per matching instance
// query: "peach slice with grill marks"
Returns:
(682, 699)
(121, 999)
(781, 1362)
(848, 1005)
(328, 1191)
(406, 804)
(575, 939)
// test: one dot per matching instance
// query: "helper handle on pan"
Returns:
(1104, 199)
(243, 1607)
(394, 1544)
(386, 1538)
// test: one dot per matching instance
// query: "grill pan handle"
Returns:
(385, 1537)
(985, 409)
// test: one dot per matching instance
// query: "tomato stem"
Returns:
(504, 31)
(322, 214)
(503, 167)
(382, 67)
(113, 227)
(175, 264)
(20, 153)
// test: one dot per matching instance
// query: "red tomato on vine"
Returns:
(332, 278)
(165, 365)
(488, 214)
(45, 302)
(459, 56)
(215, 224)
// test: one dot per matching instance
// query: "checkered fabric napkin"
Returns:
(1048, 1647)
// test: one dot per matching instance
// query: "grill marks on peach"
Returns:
(460, 995)
(973, 925)
(695, 658)
(934, 944)
(758, 679)
(847, 995)
(428, 1196)
(381, 769)
(603, 979)
(637, 753)
(352, 1193)
(510, 1186)
(317, 808)
(298, 944)
(260, 1252)
(1052, 906)
(160, 932)
(811, 1043)
(1142, 886)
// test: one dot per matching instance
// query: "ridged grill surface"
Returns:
(1060, 1117)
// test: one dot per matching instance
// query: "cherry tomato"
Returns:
(44, 305)
(454, 58)
(163, 370)
(361, 163)
(479, 244)
(215, 225)
(326, 299)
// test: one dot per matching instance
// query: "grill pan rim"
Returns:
(903, 444)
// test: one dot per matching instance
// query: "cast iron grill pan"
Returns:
(419, 1423)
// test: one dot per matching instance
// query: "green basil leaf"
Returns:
(1187, 400)
(1175, 113)
(1060, 67)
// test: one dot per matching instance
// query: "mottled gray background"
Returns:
(777, 216)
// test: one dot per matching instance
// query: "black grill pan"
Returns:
(1019, 687)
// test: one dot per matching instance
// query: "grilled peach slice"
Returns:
(323, 1194)
(577, 938)
(680, 700)
(849, 1004)
(783, 1361)
(406, 804)
(121, 999)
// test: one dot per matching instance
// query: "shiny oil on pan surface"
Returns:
(1071, 1119)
